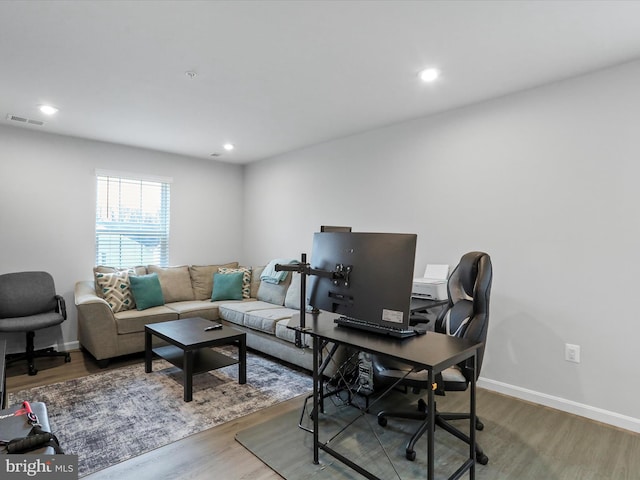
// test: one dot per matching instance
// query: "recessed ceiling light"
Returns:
(429, 75)
(191, 74)
(48, 109)
(228, 146)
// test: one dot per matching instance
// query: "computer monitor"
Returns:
(334, 228)
(378, 269)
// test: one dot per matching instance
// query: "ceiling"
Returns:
(275, 76)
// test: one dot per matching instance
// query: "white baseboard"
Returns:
(68, 346)
(569, 406)
(17, 346)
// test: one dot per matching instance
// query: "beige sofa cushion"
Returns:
(196, 308)
(133, 321)
(202, 278)
(140, 269)
(255, 280)
(274, 292)
(285, 333)
(265, 320)
(235, 312)
(292, 299)
(175, 282)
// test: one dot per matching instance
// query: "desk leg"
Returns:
(316, 398)
(147, 352)
(242, 366)
(188, 375)
(472, 419)
(431, 412)
(321, 375)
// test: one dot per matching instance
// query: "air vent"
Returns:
(16, 118)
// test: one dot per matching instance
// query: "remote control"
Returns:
(213, 327)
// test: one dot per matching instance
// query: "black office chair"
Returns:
(28, 302)
(466, 316)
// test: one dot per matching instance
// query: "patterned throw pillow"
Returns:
(246, 278)
(115, 289)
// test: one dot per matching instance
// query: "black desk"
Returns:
(433, 352)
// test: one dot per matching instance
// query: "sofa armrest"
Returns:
(85, 293)
(96, 323)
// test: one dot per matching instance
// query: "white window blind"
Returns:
(132, 221)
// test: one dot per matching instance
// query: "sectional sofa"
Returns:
(111, 326)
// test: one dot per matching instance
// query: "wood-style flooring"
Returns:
(570, 446)
(213, 453)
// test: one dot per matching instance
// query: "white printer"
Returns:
(433, 286)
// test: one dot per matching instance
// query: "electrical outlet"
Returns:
(572, 353)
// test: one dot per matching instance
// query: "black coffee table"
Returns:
(190, 348)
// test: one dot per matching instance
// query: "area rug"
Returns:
(379, 450)
(111, 416)
(523, 441)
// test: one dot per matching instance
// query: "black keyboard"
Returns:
(375, 328)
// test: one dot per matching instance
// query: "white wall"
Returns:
(545, 181)
(47, 210)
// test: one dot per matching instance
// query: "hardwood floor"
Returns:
(196, 457)
(213, 453)
(53, 370)
(530, 438)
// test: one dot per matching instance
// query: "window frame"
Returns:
(113, 240)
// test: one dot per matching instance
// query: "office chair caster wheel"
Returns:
(382, 421)
(67, 358)
(479, 425)
(482, 459)
(411, 455)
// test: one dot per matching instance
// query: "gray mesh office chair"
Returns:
(28, 302)
(467, 316)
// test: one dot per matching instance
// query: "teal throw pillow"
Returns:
(146, 291)
(227, 286)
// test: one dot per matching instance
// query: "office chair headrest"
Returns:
(468, 271)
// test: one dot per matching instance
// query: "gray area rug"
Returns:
(379, 450)
(111, 416)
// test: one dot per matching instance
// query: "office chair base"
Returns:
(441, 421)
(31, 354)
(47, 352)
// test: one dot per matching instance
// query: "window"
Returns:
(132, 220)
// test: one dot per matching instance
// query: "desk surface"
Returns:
(431, 351)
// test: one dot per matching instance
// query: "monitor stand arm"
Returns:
(339, 275)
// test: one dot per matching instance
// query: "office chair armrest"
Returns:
(62, 306)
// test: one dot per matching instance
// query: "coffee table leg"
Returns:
(242, 365)
(188, 375)
(147, 352)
